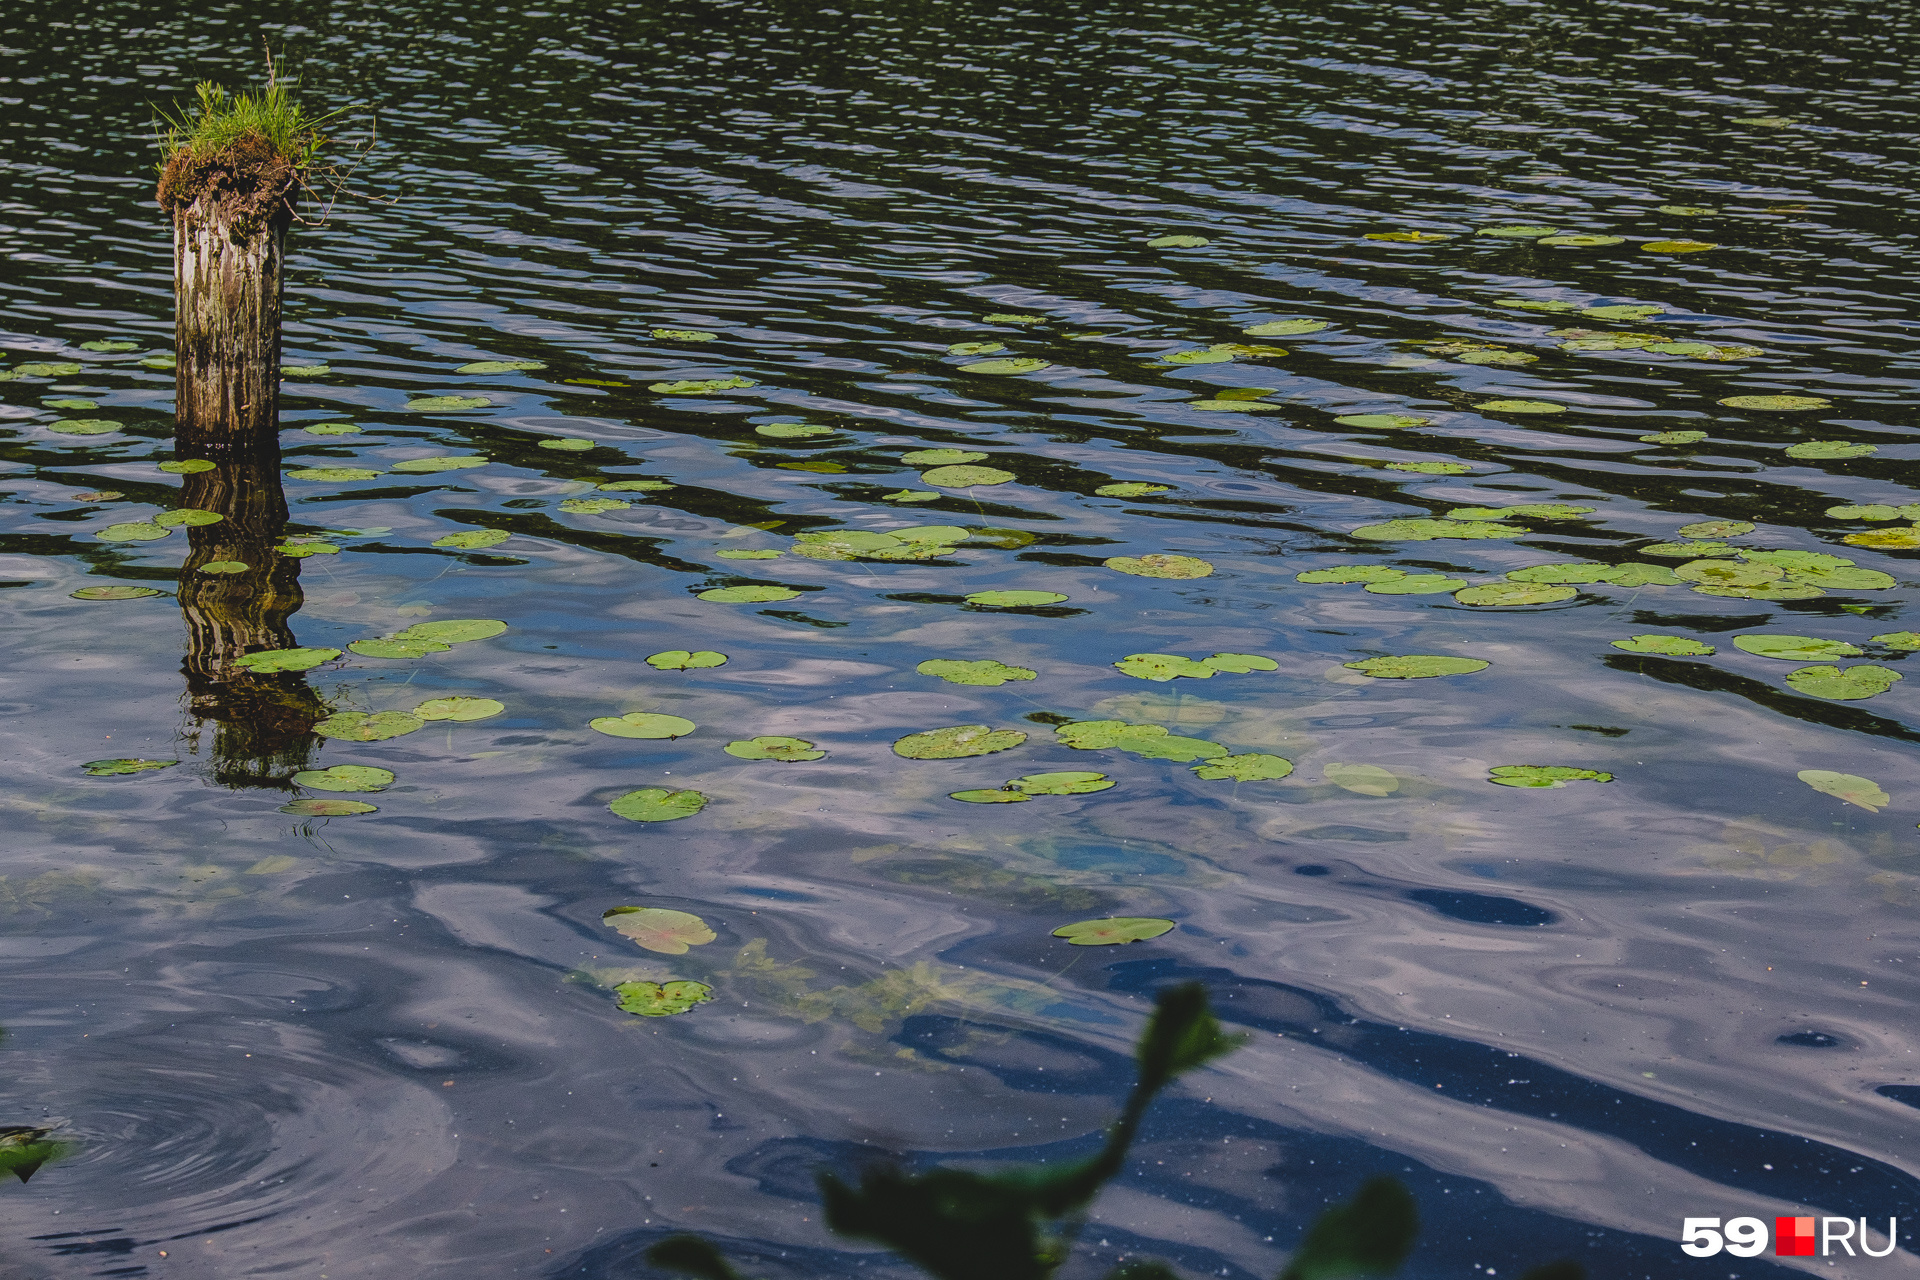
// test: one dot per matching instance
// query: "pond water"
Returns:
(388, 1043)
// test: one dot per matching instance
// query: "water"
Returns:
(385, 1045)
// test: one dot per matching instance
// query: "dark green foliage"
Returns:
(1143, 1271)
(23, 1149)
(690, 1255)
(1370, 1235)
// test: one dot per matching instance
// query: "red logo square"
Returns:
(1793, 1237)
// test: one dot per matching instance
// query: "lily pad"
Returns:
(163, 361)
(1240, 663)
(267, 660)
(117, 592)
(639, 724)
(1131, 489)
(68, 402)
(500, 366)
(1013, 317)
(658, 929)
(1905, 640)
(1252, 767)
(774, 747)
(748, 595)
(1517, 232)
(1677, 246)
(1178, 242)
(1015, 364)
(321, 807)
(1875, 511)
(1064, 783)
(1687, 210)
(1407, 237)
(661, 1000)
(1688, 550)
(684, 660)
(1562, 573)
(990, 795)
(1014, 599)
(97, 495)
(1885, 539)
(459, 709)
(300, 549)
(1542, 775)
(473, 539)
(1535, 510)
(345, 777)
(1515, 593)
(1848, 787)
(454, 630)
(446, 404)
(700, 386)
(593, 506)
(111, 768)
(654, 804)
(360, 726)
(332, 429)
(940, 457)
(1635, 574)
(1715, 529)
(1112, 931)
(304, 370)
(567, 444)
(1521, 406)
(965, 477)
(224, 566)
(331, 473)
(792, 430)
(1351, 573)
(1149, 740)
(140, 531)
(1671, 646)
(1362, 779)
(956, 741)
(1580, 241)
(1284, 328)
(976, 348)
(685, 335)
(45, 369)
(1536, 304)
(1232, 406)
(1162, 667)
(1679, 348)
(83, 427)
(985, 671)
(1843, 685)
(1844, 579)
(1782, 590)
(1416, 584)
(1777, 404)
(187, 517)
(1196, 357)
(1674, 437)
(1622, 311)
(1159, 566)
(1830, 449)
(1795, 648)
(1722, 573)
(443, 462)
(394, 647)
(1427, 530)
(1417, 666)
(105, 344)
(1383, 421)
(1497, 357)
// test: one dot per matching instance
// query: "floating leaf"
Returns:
(304, 370)
(1624, 311)
(360, 726)
(1159, 566)
(774, 748)
(567, 444)
(792, 430)
(455, 630)
(685, 335)
(1284, 328)
(1536, 510)
(633, 486)
(166, 361)
(1795, 648)
(499, 366)
(97, 495)
(397, 648)
(140, 531)
(1004, 317)
(473, 539)
(1874, 511)
(1844, 579)
(320, 807)
(1907, 640)
(1196, 357)
(1426, 530)
(658, 1000)
(188, 517)
(683, 660)
(1131, 489)
(637, 724)
(653, 804)
(1688, 550)
(102, 344)
(332, 429)
(446, 404)
(965, 477)
(1499, 594)
(44, 369)
(1431, 468)
(1112, 931)
(1497, 357)
(1065, 783)
(1017, 364)
(1178, 242)
(1240, 663)
(1536, 304)
(1542, 775)
(940, 457)
(1162, 667)
(345, 777)
(442, 462)
(976, 348)
(331, 473)
(592, 506)
(911, 495)
(985, 671)
(267, 660)
(1777, 404)
(1562, 573)
(71, 403)
(224, 566)
(1014, 599)
(956, 741)
(1521, 406)
(1679, 348)
(1351, 573)
(1407, 237)
(1716, 529)
(302, 549)
(118, 592)
(1677, 246)
(1148, 740)
(1843, 685)
(1252, 351)
(1674, 437)
(1687, 210)
(1580, 241)
(1416, 584)
(1782, 590)
(83, 427)
(658, 929)
(1382, 421)
(1252, 767)
(110, 768)
(1885, 539)
(1232, 406)
(1519, 232)
(748, 595)
(459, 709)
(1671, 646)
(1721, 573)
(990, 795)
(1362, 779)
(1830, 449)
(1417, 666)
(700, 386)
(1848, 787)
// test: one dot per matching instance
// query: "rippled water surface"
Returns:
(388, 1045)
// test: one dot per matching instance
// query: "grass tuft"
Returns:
(218, 120)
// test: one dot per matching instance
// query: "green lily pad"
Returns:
(1723, 573)
(104, 344)
(911, 495)
(957, 740)
(940, 457)
(117, 592)
(1677, 246)
(989, 795)
(1162, 667)
(1362, 779)
(774, 747)
(1580, 241)
(976, 348)
(71, 403)
(140, 531)
(1500, 594)
(1536, 304)
(683, 660)
(454, 630)
(1562, 573)
(1875, 511)
(1196, 357)
(1843, 685)
(164, 361)
(1013, 317)
(1016, 364)
(1407, 237)
(44, 369)
(1351, 573)
(1848, 787)
(332, 473)
(965, 477)
(1517, 232)
(83, 427)
(1795, 648)
(1284, 328)
(1623, 311)
(1240, 663)
(1131, 489)
(1782, 590)
(1252, 767)
(1680, 348)
(473, 539)
(1885, 539)
(443, 462)
(1830, 449)
(1671, 646)
(1178, 242)
(1715, 529)
(446, 404)
(224, 566)
(985, 671)
(1112, 931)
(1416, 584)
(1497, 357)
(111, 768)
(1521, 406)
(304, 370)
(1014, 599)
(1907, 640)
(1689, 550)
(1635, 574)
(685, 335)
(661, 1000)
(1383, 421)
(1065, 783)
(593, 506)
(1149, 740)
(658, 929)
(332, 429)
(300, 549)
(394, 647)
(1159, 566)
(360, 726)
(1542, 775)
(267, 660)
(1416, 666)
(1687, 210)
(653, 804)
(792, 430)
(700, 386)
(1426, 530)
(321, 807)
(188, 517)
(748, 595)
(1535, 510)
(500, 366)
(567, 444)
(1674, 437)
(1232, 406)
(345, 777)
(462, 710)
(638, 724)
(1777, 404)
